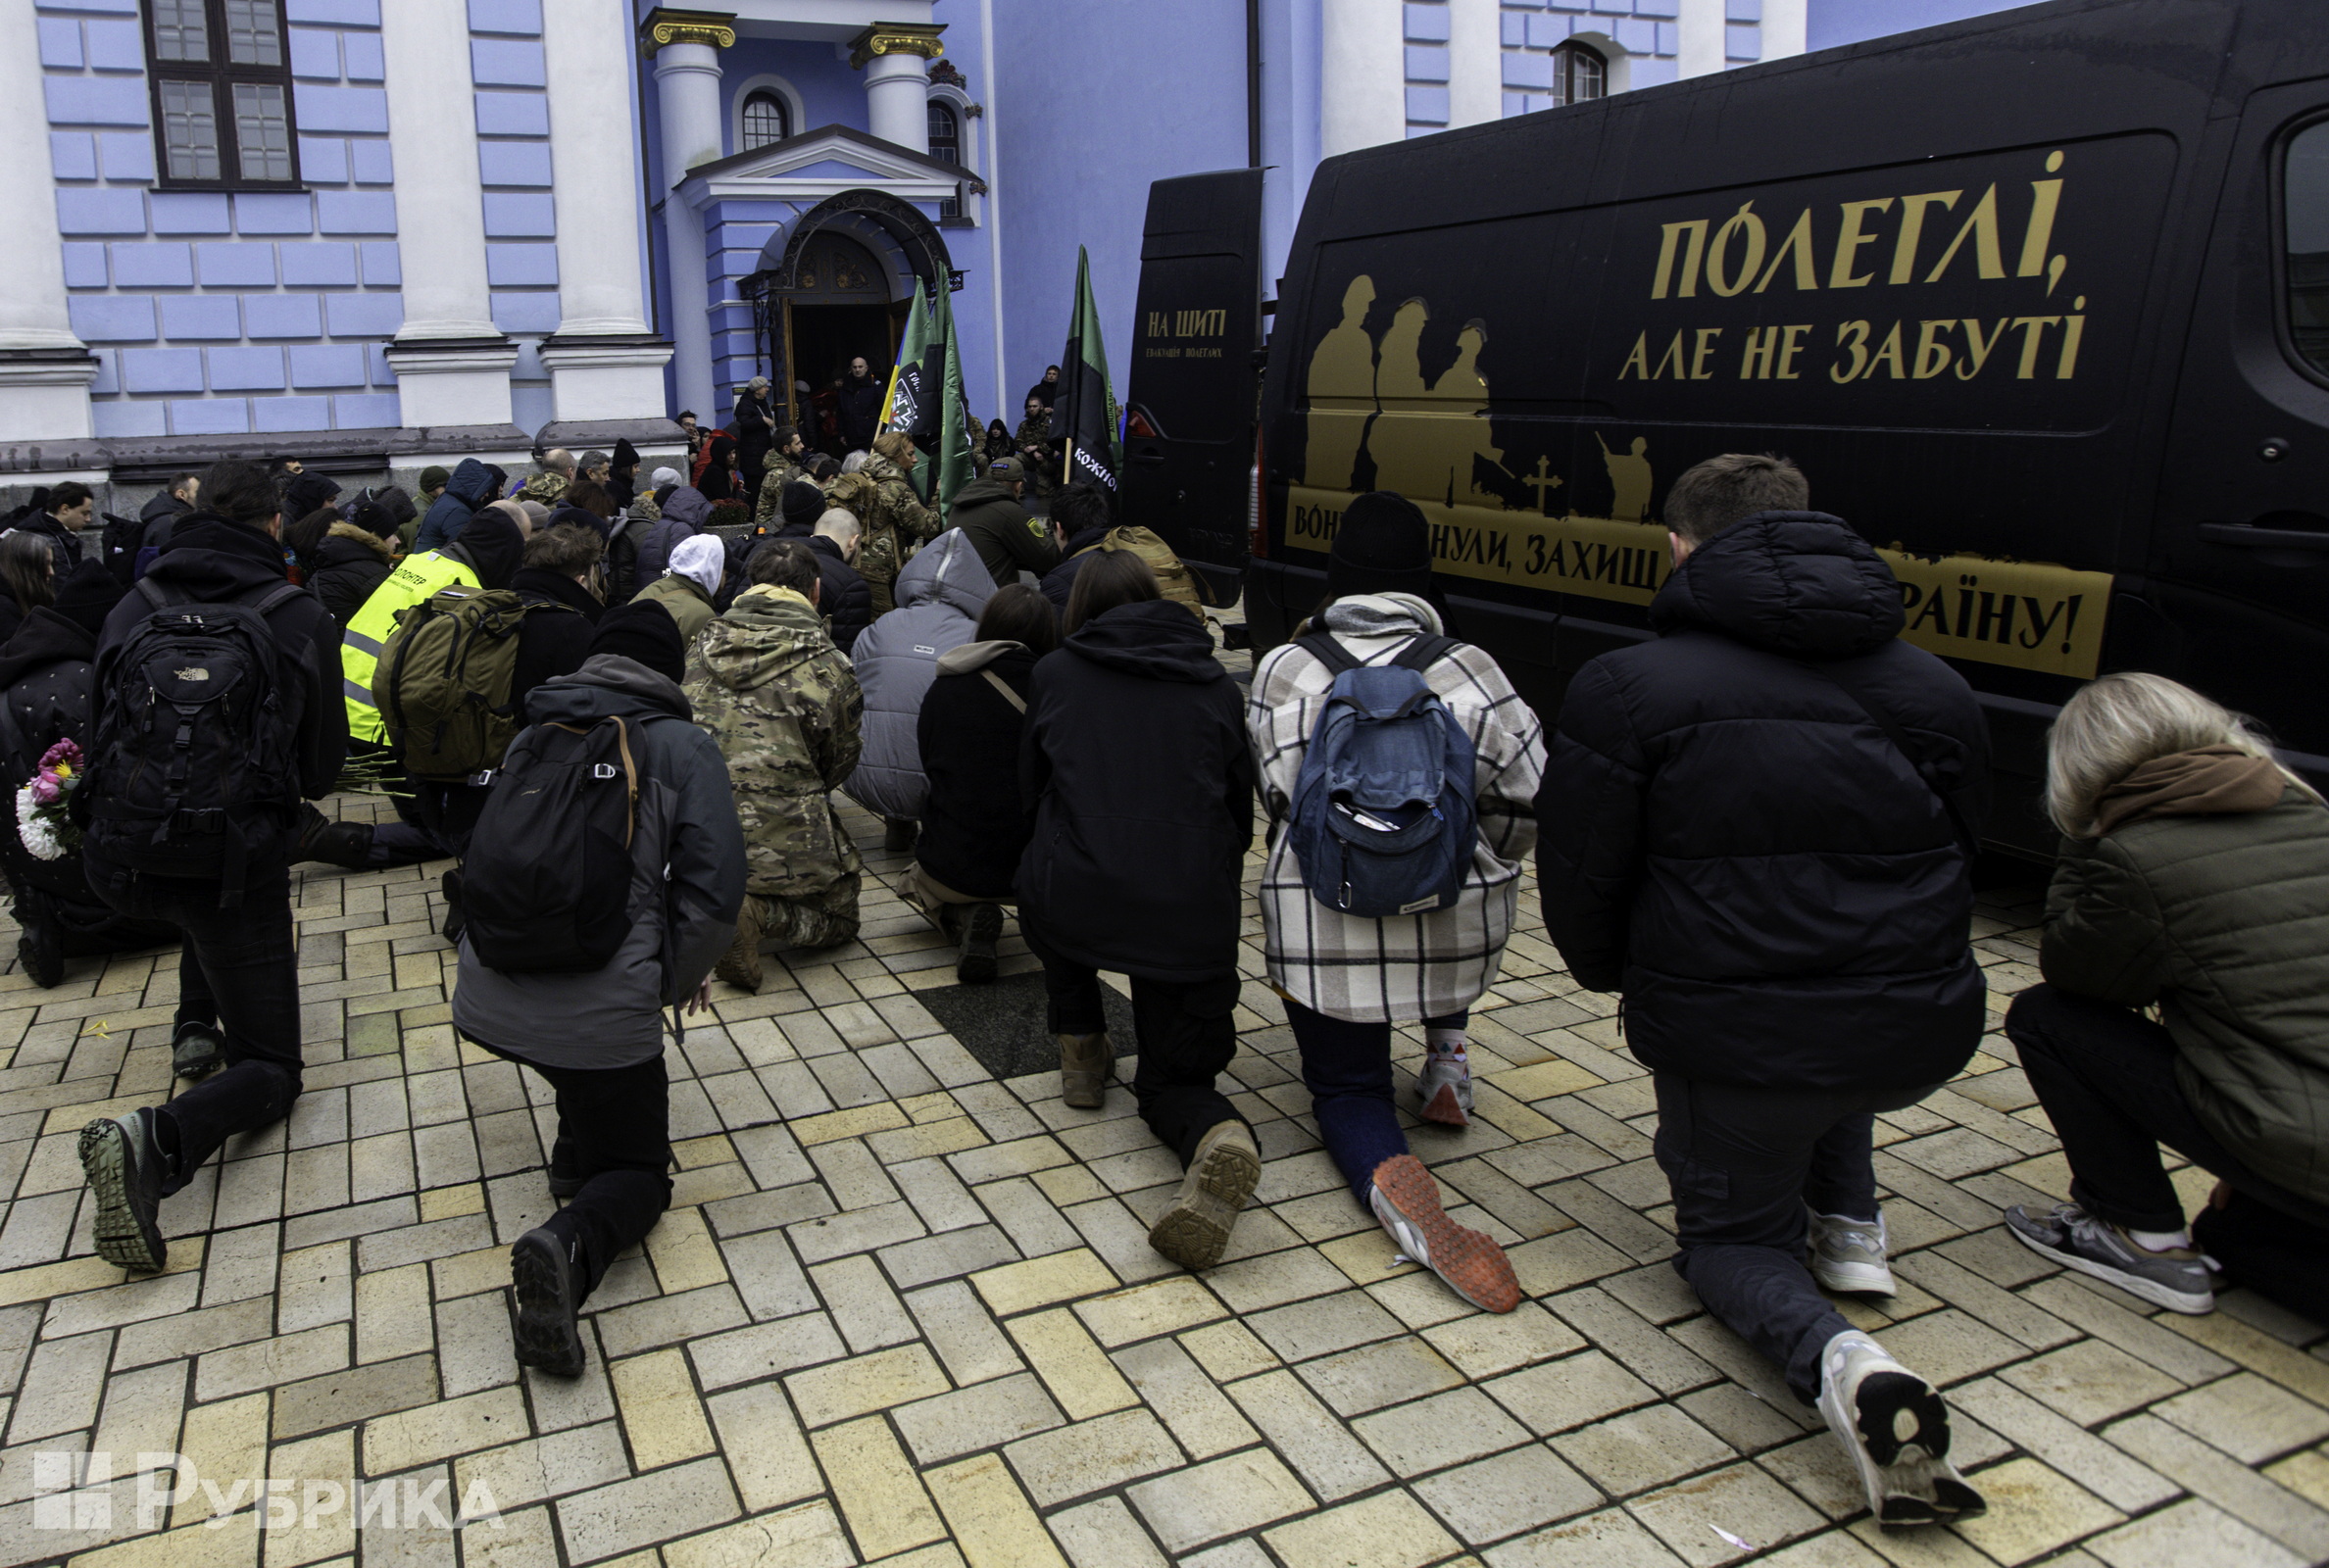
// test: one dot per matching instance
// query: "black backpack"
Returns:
(194, 764)
(547, 883)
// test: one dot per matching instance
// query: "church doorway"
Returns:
(838, 310)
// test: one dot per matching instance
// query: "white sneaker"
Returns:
(1848, 1255)
(1896, 1428)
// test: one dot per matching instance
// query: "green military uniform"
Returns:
(1043, 469)
(549, 488)
(782, 472)
(783, 703)
(898, 523)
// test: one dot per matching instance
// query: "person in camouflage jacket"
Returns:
(1038, 450)
(784, 466)
(781, 701)
(899, 521)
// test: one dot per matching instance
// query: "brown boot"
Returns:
(1085, 1061)
(742, 965)
(1195, 1230)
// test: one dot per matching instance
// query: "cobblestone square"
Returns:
(902, 1312)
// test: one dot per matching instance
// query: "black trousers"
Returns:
(1185, 1036)
(249, 973)
(616, 1124)
(1743, 1163)
(2107, 1078)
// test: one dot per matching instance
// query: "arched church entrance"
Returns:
(835, 285)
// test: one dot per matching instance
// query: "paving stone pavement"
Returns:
(902, 1312)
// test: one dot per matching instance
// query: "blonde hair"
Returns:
(2115, 725)
(893, 445)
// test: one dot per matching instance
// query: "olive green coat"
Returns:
(2222, 921)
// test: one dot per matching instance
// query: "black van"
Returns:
(2111, 451)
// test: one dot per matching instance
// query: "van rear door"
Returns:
(2238, 562)
(1194, 387)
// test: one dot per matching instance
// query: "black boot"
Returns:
(982, 928)
(341, 844)
(454, 923)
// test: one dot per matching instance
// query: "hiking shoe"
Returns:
(1446, 1087)
(40, 952)
(898, 833)
(196, 1051)
(1848, 1255)
(2176, 1279)
(1085, 1061)
(1406, 1200)
(124, 1166)
(1195, 1230)
(565, 1171)
(542, 1281)
(1895, 1427)
(982, 927)
(341, 844)
(742, 965)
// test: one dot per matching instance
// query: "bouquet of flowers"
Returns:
(42, 824)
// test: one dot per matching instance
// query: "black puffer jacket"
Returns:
(1727, 837)
(47, 681)
(975, 826)
(842, 596)
(1135, 757)
(350, 564)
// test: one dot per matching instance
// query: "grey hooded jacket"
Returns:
(940, 595)
(686, 512)
(687, 883)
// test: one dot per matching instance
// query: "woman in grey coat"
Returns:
(940, 594)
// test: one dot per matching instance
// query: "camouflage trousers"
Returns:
(819, 920)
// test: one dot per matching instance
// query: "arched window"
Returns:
(765, 121)
(946, 145)
(1579, 74)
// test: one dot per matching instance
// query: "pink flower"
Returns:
(65, 752)
(46, 790)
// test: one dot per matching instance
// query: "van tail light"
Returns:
(1257, 505)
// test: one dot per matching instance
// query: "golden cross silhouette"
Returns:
(1541, 481)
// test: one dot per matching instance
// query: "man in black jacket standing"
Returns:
(1758, 828)
(227, 553)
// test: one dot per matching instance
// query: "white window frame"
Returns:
(968, 119)
(794, 114)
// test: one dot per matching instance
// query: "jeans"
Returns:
(1743, 1163)
(2107, 1078)
(614, 1124)
(1347, 1068)
(249, 975)
(1185, 1034)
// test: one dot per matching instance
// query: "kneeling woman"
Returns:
(2194, 877)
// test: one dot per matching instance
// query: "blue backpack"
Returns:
(1382, 818)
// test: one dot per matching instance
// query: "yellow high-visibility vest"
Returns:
(416, 577)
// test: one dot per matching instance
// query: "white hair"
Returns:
(2113, 725)
(854, 462)
(839, 522)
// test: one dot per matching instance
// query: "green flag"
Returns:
(1084, 409)
(925, 398)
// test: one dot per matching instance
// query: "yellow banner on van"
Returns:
(2024, 614)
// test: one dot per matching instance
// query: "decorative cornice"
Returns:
(896, 38)
(663, 25)
(947, 74)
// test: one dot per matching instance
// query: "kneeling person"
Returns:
(781, 701)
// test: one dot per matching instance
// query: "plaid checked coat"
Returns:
(1414, 967)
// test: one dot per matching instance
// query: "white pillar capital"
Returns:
(896, 57)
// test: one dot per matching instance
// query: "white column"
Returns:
(896, 57)
(1362, 66)
(451, 363)
(45, 371)
(1476, 63)
(1703, 48)
(586, 49)
(687, 85)
(1785, 25)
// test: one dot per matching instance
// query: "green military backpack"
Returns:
(444, 680)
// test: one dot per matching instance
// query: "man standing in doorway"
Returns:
(859, 406)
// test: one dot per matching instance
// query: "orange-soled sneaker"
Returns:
(1406, 1199)
(1446, 1089)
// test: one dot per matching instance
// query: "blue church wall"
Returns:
(213, 313)
(1830, 23)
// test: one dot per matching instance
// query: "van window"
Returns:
(2305, 201)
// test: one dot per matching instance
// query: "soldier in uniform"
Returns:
(1038, 452)
(768, 685)
(785, 459)
(898, 523)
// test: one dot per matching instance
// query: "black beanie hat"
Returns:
(626, 456)
(802, 505)
(1381, 546)
(87, 594)
(644, 632)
